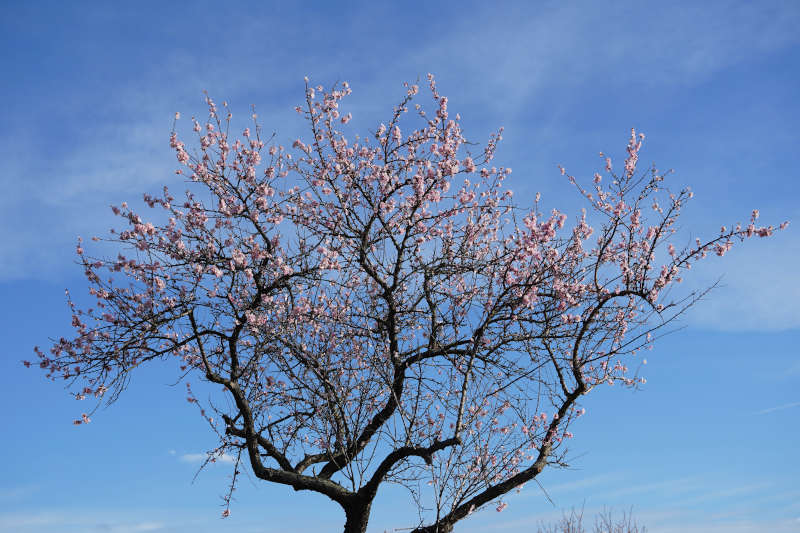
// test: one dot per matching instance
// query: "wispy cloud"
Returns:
(582, 484)
(668, 488)
(756, 292)
(724, 493)
(523, 50)
(704, 525)
(62, 521)
(778, 408)
(131, 528)
(200, 457)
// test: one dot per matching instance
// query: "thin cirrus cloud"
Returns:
(743, 301)
(582, 485)
(200, 457)
(572, 44)
(73, 521)
(778, 408)
(131, 528)
(732, 526)
(742, 492)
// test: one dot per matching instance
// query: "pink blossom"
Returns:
(468, 165)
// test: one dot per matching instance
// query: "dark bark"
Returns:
(357, 514)
(442, 527)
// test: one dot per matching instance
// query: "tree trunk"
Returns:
(357, 518)
(445, 527)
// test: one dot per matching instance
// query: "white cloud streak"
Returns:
(200, 457)
(778, 408)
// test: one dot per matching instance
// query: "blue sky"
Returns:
(89, 92)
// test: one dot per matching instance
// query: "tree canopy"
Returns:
(377, 308)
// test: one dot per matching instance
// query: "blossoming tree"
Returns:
(377, 309)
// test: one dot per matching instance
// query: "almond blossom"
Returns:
(377, 308)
